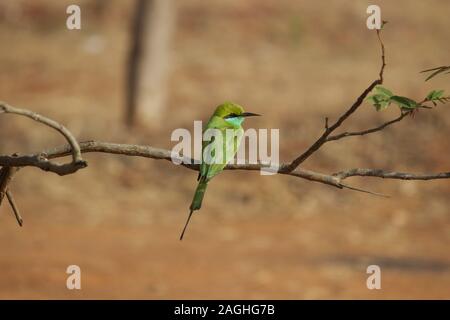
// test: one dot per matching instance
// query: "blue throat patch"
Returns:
(236, 121)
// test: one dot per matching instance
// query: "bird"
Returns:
(227, 116)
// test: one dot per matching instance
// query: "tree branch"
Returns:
(32, 160)
(77, 161)
(12, 202)
(334, 180)
(368, 131)
(329, 129)
(6, 175)
(378, 173)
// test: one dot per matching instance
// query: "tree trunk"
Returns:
(148, 61)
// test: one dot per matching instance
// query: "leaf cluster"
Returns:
(383, 98)
(437, 96)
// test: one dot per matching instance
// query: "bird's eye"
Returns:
(231, 115)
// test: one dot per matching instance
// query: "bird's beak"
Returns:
(249, 114)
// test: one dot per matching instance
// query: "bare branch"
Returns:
(6, 175)
(158, 154)
(383, 56)
(329, 129)
(14, 207)
(436, 71)
(378, 173)
(368, 131)
(365, 191)
(77, 161)
(334, 180)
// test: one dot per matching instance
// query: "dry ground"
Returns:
(256, 237)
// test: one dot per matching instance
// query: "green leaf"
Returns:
(435, 95)
(379, 101)
(381, 105)
(404, 102)
(383, 91)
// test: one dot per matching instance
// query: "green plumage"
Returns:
(198, 196)
(227, 116)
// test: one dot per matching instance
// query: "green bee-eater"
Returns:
(227, 121)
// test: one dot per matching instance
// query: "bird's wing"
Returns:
(213, 123)
(204, 167)
(222, 152)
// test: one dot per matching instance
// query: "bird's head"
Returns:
(232, 113)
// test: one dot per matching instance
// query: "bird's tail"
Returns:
(196, 202)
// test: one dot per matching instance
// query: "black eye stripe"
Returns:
(231, 115)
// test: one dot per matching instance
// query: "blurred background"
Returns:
(295, 62)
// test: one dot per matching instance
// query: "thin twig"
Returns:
(382, 126)
(383, 56)
(436, 71)
(378, 173)
(368, 131)
(323, 138)
(6, 175)
(14, 208)
(365, 191)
